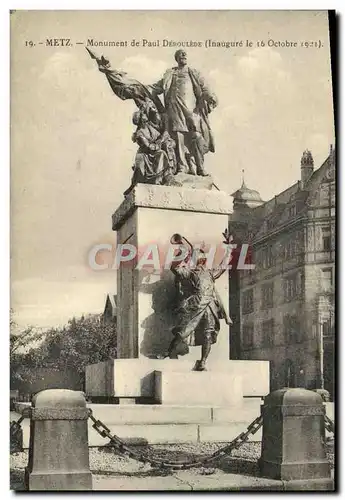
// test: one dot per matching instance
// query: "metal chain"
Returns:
(123, 449)
(329, 424)
(16, 424)
(16, 435)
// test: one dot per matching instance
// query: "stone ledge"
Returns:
(172, 198)
(153, 434)
(151, 414)
(174, 414)
(255, 375)
(198, 388)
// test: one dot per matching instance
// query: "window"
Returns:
(248, 302)
(267, 296)
(291, 288)
(248, 335)
(268, 332)
(326, 238)
(292, 211)
(289, 373)
(289, 249)
(327, 330)
(327, 279)
(292, 330)
(270, 223)
(267, 257)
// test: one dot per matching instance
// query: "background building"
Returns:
(110, 310)
(283, 310)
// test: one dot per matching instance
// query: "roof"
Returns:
(275, 212)
(110, 307)
(245, 194)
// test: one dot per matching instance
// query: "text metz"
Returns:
(58, 42)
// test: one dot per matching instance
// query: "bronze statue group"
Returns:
(172, 137)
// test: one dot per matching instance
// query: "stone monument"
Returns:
(170, 193)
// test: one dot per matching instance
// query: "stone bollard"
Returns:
(58, 450)
(293, 437)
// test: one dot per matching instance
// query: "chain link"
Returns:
(16, 424)
(16, 435)
(329, 424)
(123, 449)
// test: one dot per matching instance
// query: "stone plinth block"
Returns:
(152, 414)
(58, 449)
(172, 198)
(293, 443)
(134, 378)
(146, 294)
(198, 388)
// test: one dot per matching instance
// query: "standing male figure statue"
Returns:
(188, 102)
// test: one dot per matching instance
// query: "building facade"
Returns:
(283, 310)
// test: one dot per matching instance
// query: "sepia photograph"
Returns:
(172, 250)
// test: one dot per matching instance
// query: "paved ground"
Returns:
(187, 481)
(114, 473)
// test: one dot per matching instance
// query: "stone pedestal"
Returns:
(174, 388)
(293, 442)
(135, 378)
(147, 219)
(58, 450)
(150, 215)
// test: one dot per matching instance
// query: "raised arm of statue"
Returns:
(157, 88)
(124, 86)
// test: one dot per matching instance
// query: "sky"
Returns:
(71, 148)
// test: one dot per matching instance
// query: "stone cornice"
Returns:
(172, 198)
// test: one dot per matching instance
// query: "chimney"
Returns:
(332, 156)
(307, 167)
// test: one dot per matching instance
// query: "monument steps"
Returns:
(163, 424)
(174, 433)
(175, 414)
(168, 424)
